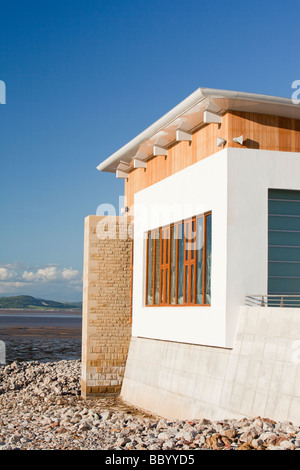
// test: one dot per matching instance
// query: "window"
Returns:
(178, 263)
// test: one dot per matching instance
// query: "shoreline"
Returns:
(6, 311)
(41, 409)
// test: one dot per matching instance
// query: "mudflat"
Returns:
(31, 335)
(40, 323)
(42, 332)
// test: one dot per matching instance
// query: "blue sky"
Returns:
(83, 78)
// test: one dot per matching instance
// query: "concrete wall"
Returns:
(259, 376)
(106, 326)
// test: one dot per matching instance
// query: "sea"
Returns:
(40, 335)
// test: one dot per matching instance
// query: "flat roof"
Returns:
(189, 114)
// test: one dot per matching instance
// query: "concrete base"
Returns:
(260, 376)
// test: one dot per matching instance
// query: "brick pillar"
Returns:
(106, 322)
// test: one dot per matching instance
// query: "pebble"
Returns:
(41, 409)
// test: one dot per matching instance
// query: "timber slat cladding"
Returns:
(260, 131)
(265, 132)
(180, 155)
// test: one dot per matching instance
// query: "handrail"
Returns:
(273, 300)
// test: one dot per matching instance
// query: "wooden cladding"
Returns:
(178, 266)
(180, 155)
(264, 132)
(260, 131)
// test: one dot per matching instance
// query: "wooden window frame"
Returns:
(164, 268)
(189, 262)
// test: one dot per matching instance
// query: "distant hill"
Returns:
(28, 302)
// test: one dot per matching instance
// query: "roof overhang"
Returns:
(204, 105)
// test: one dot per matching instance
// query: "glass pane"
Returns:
(162, 246)
(193, 240)
(167, 285)
(157, 267)
(208, 260)
(167, 245)
(186, 275)
(173, 265)
(150, 271)
(187, 242)
(180, 265)
(162, 286)
(199, 261)
(192, 284)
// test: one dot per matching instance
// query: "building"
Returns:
(192, 295)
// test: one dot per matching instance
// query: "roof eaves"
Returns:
(203, 98)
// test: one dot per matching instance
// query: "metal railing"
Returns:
(273, 300)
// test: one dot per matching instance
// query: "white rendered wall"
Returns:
(199, 188)
(233, 184)
(250, 174)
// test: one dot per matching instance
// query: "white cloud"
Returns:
(7, 288)
(43, 274)
(5, 274)
(69, 273)
(28, 276)
(17, 279)
(47, 274)
(50, 273)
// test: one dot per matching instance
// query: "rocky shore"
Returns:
(41, 408)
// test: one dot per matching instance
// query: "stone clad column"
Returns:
(106, 322)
